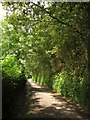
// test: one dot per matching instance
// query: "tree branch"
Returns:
(59, 21)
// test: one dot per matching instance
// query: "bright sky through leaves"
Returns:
(2, 12)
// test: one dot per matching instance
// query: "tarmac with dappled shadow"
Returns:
(41, 102)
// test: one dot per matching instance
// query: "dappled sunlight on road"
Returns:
(40, 102)
(46, 104)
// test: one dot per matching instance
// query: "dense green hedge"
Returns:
(12, 84)
(44, 80)
(73, 87)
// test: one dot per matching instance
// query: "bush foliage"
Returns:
(13, 82)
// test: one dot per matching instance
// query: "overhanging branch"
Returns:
(59, 21)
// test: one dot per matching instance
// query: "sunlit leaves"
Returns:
(11, 67)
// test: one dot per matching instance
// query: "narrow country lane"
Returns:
(40, 102)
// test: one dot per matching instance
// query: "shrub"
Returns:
(70, 86)
(12, 83)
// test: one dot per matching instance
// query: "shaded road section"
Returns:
(40, 102)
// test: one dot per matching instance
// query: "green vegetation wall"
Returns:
(13, 83)
(73, 87)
